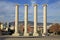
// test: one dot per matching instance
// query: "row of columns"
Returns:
(26, 20)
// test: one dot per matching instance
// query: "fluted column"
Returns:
(26, 20)
(44, 20)
(16, 20)
(35, 20)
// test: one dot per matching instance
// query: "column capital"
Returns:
(44, 5)
(17, 4)
(25, 4)
(35, 5)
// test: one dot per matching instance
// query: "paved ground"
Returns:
(29, 38)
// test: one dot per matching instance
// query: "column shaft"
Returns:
(26, 20)
(16, 21)
(44, 19)
(16, 18)
(35, 20)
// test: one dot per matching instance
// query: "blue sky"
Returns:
(7, 10)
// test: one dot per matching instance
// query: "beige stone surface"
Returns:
(16, 20)
(35, 34)
(15, 34)
(44, 19)
(26, 20)
(26, 34)
(35, 20)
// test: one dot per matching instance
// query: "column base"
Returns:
(26, 34)
(15, 34)
(44, 34)
(35, 34)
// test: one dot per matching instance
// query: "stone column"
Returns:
(16, 20)
(26, 20)
(44, 20)
(35, 20)
(2, 26)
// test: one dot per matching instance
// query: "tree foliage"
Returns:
(55, 28)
